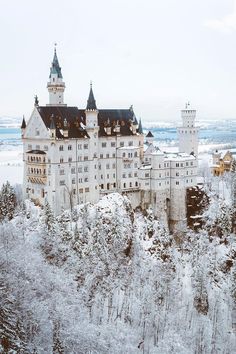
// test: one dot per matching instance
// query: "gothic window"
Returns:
(69, 147)
(61, 148)
(130, 184)
(61, 160)
(136, 154)
(136, 184)
(177, 165)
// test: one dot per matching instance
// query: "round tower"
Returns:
(188, 133)
(56, 86)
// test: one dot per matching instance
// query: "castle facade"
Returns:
(74, 156)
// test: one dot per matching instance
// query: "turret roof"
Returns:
(91, 103)
(149, 135)
(55, 68)
(23, 124)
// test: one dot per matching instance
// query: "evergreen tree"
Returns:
(7, 201)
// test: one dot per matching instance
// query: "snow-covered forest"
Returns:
(107, 279)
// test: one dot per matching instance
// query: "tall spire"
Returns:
(23, 124)
(56, 86)
(55, 68)
(91, 103)
(140, 128)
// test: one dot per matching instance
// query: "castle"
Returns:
(72, 156)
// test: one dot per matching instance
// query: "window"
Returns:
(102, 186)
(62, 172)
(114, 175)
(130, 184)
(61, 148)
(113, 155)
(86, 190)
(186, 163)
(177, 165)
(113, 165)
(124, 185)
(85, 146)
(69, 159)
(79, 147)
(80, 180)
(177, 183)
(37, 132)
(130, 143)
(104, 145)
(69, 147)
(81, 190)
(160, 184)
(159, 175)
(146, 175)
(73, 180)
(107, 156)
(113, 144)
(61, 160)
(136, 154)
(80, 169)
(101, 176)
(86, 179)
(124, 175)
(182, 165)
(177, 174)
(73, 170)
(101, 156)
(108, 176)
(123, 154)
(135, 174)
(107, 166)
(95, 155)
(130, 175)
(80, 158)
(191, 163)
(86, 169)
(136, 184)
(37, 147)
(62, 183)
(30, 147)
(85, 158)
(99, 167)
(114, 185)
(45, 148)
(135, 165)
(122, 144)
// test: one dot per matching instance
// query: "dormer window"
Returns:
(37, 132)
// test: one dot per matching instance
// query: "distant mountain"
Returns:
(7, 122)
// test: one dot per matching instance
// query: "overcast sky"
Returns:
(154, 54)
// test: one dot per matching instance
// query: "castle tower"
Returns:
(56, 86)
(91, 110)
(188, 133)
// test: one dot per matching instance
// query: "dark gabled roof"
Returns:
(23, 124)
(91, 103)
(55, 115)
(149, 135)
(110, 117)
(55, 68)
(54, 118)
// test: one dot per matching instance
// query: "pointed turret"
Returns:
(91, 103)
(140, 128)
(55, 68)
(91, 110)
(23, 124)
(149, 137)
(56, 86)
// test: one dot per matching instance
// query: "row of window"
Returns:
(38, 159)
(129, 175)
(37, 171)
(37, 147)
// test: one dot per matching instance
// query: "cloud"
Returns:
(226, 25)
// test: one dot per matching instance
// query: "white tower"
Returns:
(188, 133)
(56, 86)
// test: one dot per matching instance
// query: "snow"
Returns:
(11, 166)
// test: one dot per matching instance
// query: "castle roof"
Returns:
(23, 124)
(91, 103)
(55, 68)
(149, 135)
(76, 120)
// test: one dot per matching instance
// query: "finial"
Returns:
(36, 101)
(187, 105)
(55, 47)
(91, 84)
(131, 108)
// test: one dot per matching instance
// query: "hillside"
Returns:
(107, 279)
